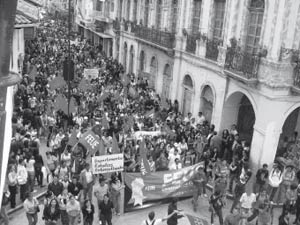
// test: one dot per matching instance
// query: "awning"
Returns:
(29, 9)
(208, 95)
(104, 36)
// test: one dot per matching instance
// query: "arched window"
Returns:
(142, 61)
(256, 11)
(196, 16)
(158, 14)
(174, 15)
(219, 7)
(167, 70)
(188, 82)
(146, 14)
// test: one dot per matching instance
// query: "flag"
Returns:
(150, 113)
(72, 106)
(73, 138)
(196, 220)
(61, 103)
(56, 83)
(145, 167)
(115, 145)
(104, 122)
(133, 93)
(90, 141)
(33, 72)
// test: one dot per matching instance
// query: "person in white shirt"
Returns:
(247, 200)
(31, 173)
(200, 119)
(171, 158)
(100, 189)
(275, 179)
(22, 177)
(31, 206)
(152, 221)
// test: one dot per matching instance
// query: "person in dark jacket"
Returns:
(173, 220)
(39, 163)
(51, 213)
(105, 210)
(88, 211)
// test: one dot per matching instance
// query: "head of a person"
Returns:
(53, 203)
(151, 215)
(87, 166)
(225, 133)
(72, 199)
(74, 180)
(265, 166)
(55, 179)
(87, 203)
(176, 151)
(102, 182)
(177, 161)
(66, 177)
(235, 211)
(200, 114)
(105, 198)
(174, 201)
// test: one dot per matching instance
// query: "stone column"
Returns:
(257, 147)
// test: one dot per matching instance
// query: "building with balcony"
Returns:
(237, 61)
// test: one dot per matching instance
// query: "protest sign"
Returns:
(141, 134)
(107, 163)
(159, 185)
(91, 73)
(90, 141)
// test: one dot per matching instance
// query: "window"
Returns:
(134, 10)
(158, 14)
(174, 15)
(219, 19)
(120, 9)
(196, 16)
(128, 10)
(146, 14)
(256, 11)
(112, 6)
(142, 61)
(99, 6)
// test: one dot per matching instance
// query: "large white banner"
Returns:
(107, 163)
(143, 134)
(90, 73)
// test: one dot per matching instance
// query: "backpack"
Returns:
(151, 223)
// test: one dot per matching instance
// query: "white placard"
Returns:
(91, 73)
(107, 163)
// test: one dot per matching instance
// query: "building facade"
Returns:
(237, 61)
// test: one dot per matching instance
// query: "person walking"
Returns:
(56, 187)
(12, 185)
(63, 200)
(31, 206)
(116, 187)
(87, 181)
(105, 211)
(173, 220)
(199, 181)
(73, 210)
(51, 213)
(3, 212)
(22, 177)
(216, 204)
(88, 211)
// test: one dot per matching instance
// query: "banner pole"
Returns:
(122, 194)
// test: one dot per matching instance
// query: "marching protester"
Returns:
(88, 211)
(51, 213)
(31, 206)
(106, 211)
(172, 209)
(152, 221)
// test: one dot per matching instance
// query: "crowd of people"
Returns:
(120, 105)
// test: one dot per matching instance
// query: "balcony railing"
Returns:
(191, 44)
(212, 49)
(101, 16)
(242, 63)
(163, 38)
(116, 25)
(126, 25)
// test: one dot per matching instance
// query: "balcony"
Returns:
(162, 38)
(212, 49)
(242, 64)
(116, 25)
(191, 44)
(101, 16)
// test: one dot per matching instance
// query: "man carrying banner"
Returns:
(152, 221)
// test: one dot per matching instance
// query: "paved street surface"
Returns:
(136, 218)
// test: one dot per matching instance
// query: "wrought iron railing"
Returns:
(163, 38)
(212, 49)
(242, 63)
(191, 43)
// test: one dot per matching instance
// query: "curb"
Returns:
(17, 208)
